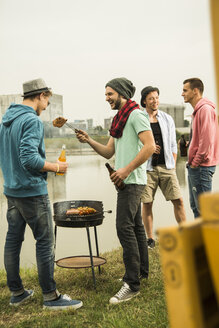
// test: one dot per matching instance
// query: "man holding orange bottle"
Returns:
(24, 167)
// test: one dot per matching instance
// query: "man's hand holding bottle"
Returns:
(82, 136)
(158, 148)
(61, 167)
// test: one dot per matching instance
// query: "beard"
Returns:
(118, 103)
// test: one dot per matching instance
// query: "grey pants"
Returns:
(131, 234)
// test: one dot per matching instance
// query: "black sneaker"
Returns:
(62, 303)
(151, 243)
(17, 300)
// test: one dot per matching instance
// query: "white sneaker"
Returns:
(124, 294)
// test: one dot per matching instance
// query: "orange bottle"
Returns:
(62, 158)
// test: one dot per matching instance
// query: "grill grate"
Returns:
(61, 219)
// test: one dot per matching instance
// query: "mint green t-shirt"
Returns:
(128, 146)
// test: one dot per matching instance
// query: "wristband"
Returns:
(57, 168)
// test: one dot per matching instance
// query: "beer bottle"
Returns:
(155, 157)
(62, 158)
(111, 170)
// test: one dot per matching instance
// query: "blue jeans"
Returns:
(199, 180)
(36, 212)
(131, 234)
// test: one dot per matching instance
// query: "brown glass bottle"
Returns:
(111, 170)
(155, 157)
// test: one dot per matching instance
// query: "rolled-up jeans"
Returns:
(36, 212)
(131, 234)
(199, 180)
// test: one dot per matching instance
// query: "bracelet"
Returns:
(57, 168)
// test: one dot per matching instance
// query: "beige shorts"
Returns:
(166, 180)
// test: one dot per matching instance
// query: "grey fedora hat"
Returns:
(34, 87)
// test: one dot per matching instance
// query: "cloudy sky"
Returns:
(76, 46)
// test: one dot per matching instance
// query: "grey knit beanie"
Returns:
(123, 86)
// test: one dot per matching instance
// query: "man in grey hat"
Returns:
(24, 167)
(161, 166)
(132, 143)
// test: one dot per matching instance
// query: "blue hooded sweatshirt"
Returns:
(22, 152)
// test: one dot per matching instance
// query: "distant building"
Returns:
(176, 111)
(90, 123)
(107, 123)
(54, 110)
(6, 100)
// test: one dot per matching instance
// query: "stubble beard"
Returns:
(118, 103)
(153, 109)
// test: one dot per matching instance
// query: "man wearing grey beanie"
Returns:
(132, 143)
(123, 86)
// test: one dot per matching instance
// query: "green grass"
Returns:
(147, 310)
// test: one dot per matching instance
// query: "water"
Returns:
(88, 179)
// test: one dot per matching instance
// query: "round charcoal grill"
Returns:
(61, 219)
(75, 220)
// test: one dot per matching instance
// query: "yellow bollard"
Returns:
(190, 295)
(209, 206)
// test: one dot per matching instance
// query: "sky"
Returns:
(77, 46)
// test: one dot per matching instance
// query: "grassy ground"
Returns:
(147, 310)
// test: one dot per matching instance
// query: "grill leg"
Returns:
(97, 248)
(55, 233)
(91, 256)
